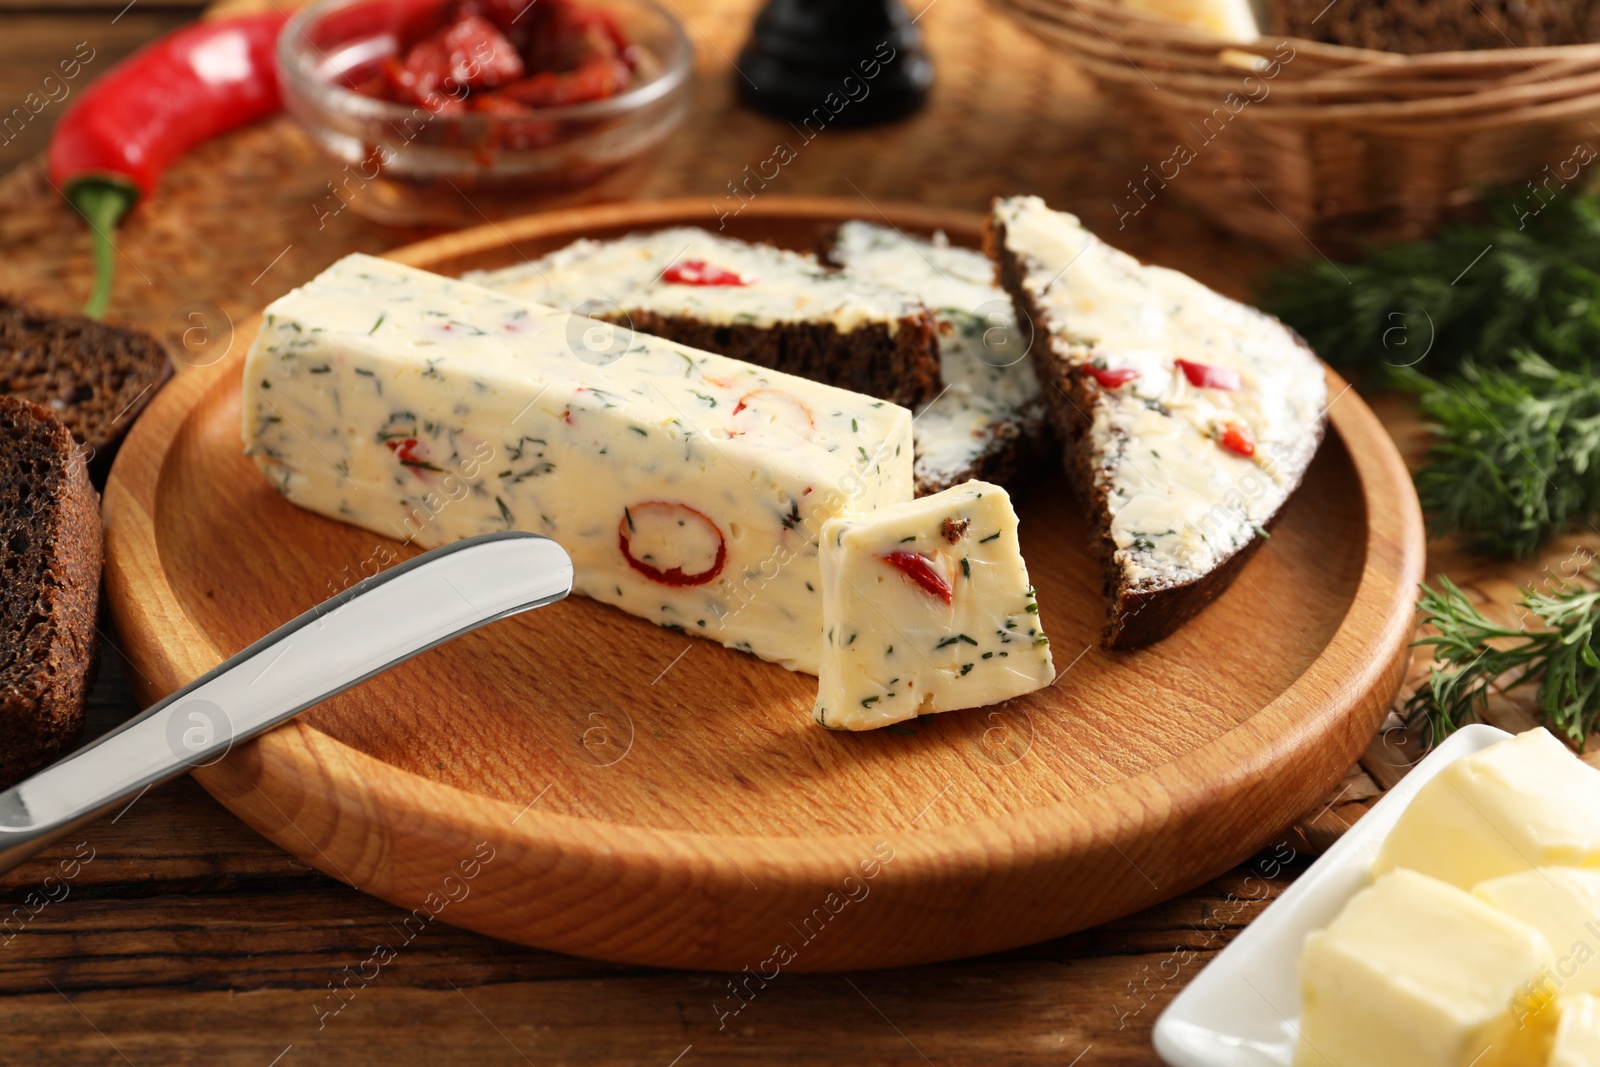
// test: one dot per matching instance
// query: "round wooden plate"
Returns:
(581, 780)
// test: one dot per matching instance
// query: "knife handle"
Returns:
(368, 628)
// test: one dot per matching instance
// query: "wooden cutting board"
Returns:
(581, 780)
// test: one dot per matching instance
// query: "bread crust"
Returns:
(51, 613)
(1134, 617)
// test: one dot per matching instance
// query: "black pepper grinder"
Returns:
(834, 62)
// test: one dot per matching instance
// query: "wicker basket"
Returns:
(1293, 142)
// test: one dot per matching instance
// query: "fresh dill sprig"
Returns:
(1529, 278)
(1471, 654)
(1495, 327)
(1515, 454)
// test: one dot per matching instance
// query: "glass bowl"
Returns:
(406, 165)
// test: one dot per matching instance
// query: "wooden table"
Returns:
(187, 938)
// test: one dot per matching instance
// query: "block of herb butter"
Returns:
(1563, 903)
(927, 607)
(1417, 973)
(1522, 803)
(688, 488)
(1577, 1041)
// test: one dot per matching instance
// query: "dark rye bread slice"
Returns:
(755, 302)
(1140, 610)
(989, 424)
(1008, 452)
(869, 359)
(95, 378)
(1412, 26)
(50, 544)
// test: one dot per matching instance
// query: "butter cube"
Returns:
(1523, 803)
(1563, 904)
(1417, 973)
(926, 607)
(1578, 1036)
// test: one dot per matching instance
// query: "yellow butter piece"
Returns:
(1562, 903)
(1417, 973)
(1578, 1036)
(1523, 803)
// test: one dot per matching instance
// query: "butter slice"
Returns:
(894, 646)
(778, 286)
(1523, 803)
(1563, 903)
(688, 488)
(1578, 1036)
(1417, 973)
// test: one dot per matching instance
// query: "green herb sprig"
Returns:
(1473, 654)
(1515, 454)
(1528, 279)
(1496, 328)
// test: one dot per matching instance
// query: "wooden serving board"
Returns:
(623, 791)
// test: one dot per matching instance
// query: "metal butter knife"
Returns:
(363, 631)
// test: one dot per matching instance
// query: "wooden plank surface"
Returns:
(187, 938)
(171, 933)
(174, 934)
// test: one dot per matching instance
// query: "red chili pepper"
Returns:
(111, 147)
(699, 272)
(785, 403)
(919, 569)
(1208, 377)
(406, 452)
(1237, 438)
(679, 513)
(1111, 377)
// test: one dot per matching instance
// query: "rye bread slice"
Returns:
(870, 359)
(988, 423)
(784, 310)
(50, 541)
(95, 378)
(1006, 451)
(1143, 604)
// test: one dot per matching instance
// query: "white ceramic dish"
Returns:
(1243, 1010)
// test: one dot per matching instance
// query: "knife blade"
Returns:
(372, 626)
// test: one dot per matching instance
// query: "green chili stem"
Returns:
(102, 202)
